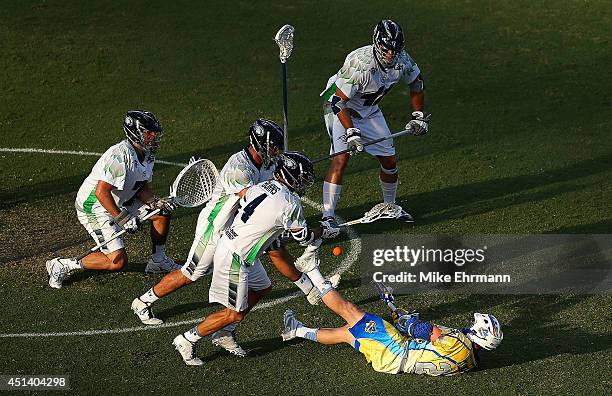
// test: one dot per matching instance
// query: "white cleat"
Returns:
(290, 324)
(314, 297)
(58, 270)
(161, 267)
(227, 340)
(187, 351)
(144, 312)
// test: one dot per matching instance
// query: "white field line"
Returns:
(349, 259)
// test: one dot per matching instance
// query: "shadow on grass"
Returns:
(485, 196)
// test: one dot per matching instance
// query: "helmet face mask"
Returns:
(267, 138)
(143, 129)
(296, 171)
(388, 42)
(485, 331)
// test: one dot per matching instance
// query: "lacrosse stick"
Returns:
(365, 144)
(385, 293)
(382, 210)
(192, 187)
(284, 39)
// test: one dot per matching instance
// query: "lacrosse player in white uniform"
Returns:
(239, 280)
(254, 164)
(351, 110)
(114, 196)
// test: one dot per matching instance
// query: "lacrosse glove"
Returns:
(419, 123)
(127, 221)
(330, 229)
(353, 141)
(165, 205)
(402, 319)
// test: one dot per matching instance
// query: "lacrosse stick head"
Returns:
(195, 184)
(382, 210)
(284, 39)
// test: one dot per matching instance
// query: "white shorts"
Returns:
(372, 127)
(208, 231)
(232, 279)
(98, 225)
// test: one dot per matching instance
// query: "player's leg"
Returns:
(159, 261)
(332, 186)
(259, 286)
(294, 328)
(111, 257)
(388, 177)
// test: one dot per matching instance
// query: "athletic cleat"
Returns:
(314, 298)
(187, 350)
(144, 312)
(331, 220)
(291, 324)
(403, 215)
(58, 270)
(161, 267)
(227, 340)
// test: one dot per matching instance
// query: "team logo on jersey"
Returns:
(290, 163)
(370, 327)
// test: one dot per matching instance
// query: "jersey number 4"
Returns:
(373, 98)
(248, 210)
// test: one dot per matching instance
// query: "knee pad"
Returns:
(389, 171)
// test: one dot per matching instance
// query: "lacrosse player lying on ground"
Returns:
(114, 196)
(351, 110)
(239, 280)
(408, 346)
(254, 164)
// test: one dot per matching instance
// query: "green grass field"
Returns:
(519, 144)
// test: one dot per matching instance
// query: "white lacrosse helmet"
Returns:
(485, 331)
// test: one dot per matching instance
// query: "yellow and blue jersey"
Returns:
(389, 351)
(380, 343)
(449, 354)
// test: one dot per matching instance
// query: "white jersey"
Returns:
(365, 82)
(238, 173)
(120, 167)
(267, 209)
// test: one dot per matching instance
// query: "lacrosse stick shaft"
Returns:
(117, 235)
(392, 136)
(285, 122)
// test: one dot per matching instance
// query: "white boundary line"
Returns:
(349, 259)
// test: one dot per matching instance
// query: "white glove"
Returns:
(419, 123)
(353, 141)
(309, 260)
(330, 229)
(128, 221)
(166, 205)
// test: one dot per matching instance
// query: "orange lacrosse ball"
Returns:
(337, 251)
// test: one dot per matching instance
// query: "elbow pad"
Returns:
(418, 84)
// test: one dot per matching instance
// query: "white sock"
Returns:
(159, 252)
(389, 191)
(304, 284)
(307, 333)
(192, 335)
(74, 264)
(322, 285)
(331, 194)
(149, 297)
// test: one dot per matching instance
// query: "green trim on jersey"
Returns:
(203, 242)
(90, 201)
(329, 92)
(254, 252)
